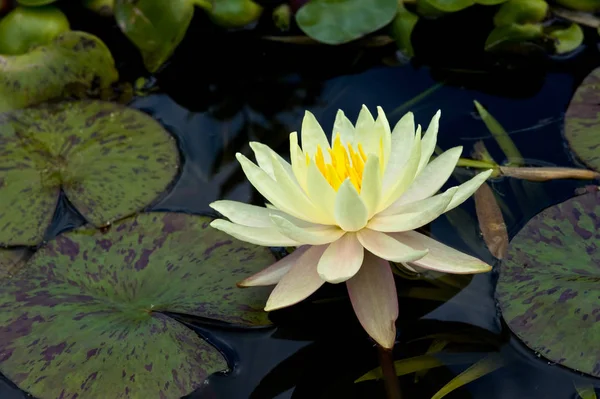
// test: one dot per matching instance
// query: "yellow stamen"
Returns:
(362, 153)
(344, 163)
(320, 161)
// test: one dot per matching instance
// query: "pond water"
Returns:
(235, 90)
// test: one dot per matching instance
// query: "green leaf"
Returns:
(451, 5)
(109, 160)
(548, 286)
(12, 261)
(513, 33)
(88, 317)
(585, 391)
(73, 58)
(341, 21)
(581, 5)
(502, 138)
(24, 28)
(490, 363)
(490, 2)
(521, 12)
(35, 3)
(101, 7)
(567, 40)
(234, 13)
(425, 9)
(155, 27)
(402, 28)
(582, 121)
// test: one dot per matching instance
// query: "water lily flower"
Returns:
(350, 207)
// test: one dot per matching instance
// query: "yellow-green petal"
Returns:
(343, 127)
(350, 212)
(429, 141)
(313, 136)
(370, 191)
(467, 189)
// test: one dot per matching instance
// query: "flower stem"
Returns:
(392, 387)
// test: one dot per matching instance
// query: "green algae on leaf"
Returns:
(582, 121)
(12, 260)
(88, 316)
(109, 160)
(155, 27)
(45, 72)
(341, 21)
(548, 287)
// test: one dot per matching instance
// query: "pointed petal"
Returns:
(319, 190)
(429, 141)
(388, 248)
(313, 136)
(265, 236)
(363, 130)
(309, 235)
(370, 191)
(375, 300)
(343, 127)
(341, 259)
(441, 257)
(264, 158)
(382, 136)
(298, 160)
(274, 273)
(467, 189)
(350, 212)
(416, 214)
(299, 282)
(252, 215)
(429, 181)
(401, 143)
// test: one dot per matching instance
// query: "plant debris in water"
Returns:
(86, 317)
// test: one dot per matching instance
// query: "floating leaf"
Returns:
(581, 5)
(585, 391)
(101, 7)
(87, 316)
(548, 287)
(402, 28)
(515, 33)
(582, 121)
(155, 27)
(341, 21)
(502, 138)
(580, 17)
(45, 73)
(25, 27)
(234, 13)
(567, 40)
(35, 3)
(12, 261)
(521, 12)
(491, 222)
(548, 173)
(451, 5)
(110, 161)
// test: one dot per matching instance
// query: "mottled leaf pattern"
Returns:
(110, 161)
(85, 317)
(12, 261)
(549, 288)
(45, 73)
(582, 121)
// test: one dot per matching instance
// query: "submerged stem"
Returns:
(392, 387)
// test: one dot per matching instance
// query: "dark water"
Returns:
(222, 91)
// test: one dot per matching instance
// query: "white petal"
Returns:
(265, 236)
(307, 235)
(272, 274)
(401, 143)
(429, 141)
(319, 190)
(382, 136)
(341, 259)
(467, 189)
(299, 282)
(388, 248)
(312, 135)
(350, 212)
(298, 160)
(416, 214)
(251, 215)
(374, 298)
(343, 127)
(363, 130)
(264, 158)
(441, 257)
(429, 181)
(370, 191)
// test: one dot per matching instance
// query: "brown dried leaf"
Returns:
(491, 222)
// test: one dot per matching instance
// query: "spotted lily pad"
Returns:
(155, 27)
(548, 288)
(109, 160)
(582, 121)
(12, 261)
(341, 21)
(87, 317)
(45, 72)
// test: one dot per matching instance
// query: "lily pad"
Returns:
(521, 12)
(12, 261)
(234, 13)
(155, 27)
(35, 3)
(548, 287)
(87, 317)
(109, 160)
(567, 39)
(45, 72)
(514, 33)
(582, 121)
(341, 21)
(402, 28)
(457, 5)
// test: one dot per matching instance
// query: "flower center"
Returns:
(345, 163)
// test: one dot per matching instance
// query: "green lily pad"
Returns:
(341, 21)
(458, 5)
(548, 287)
(234, 13)
(109, 160)
(35, 3)
(568, 39)
(12, 261)
(45, 72)
(514, 33)
(155, 27)
(582, 121)
(26, 27)
(87, 317)
(581, 5)
(402, 28)
(521, 12)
